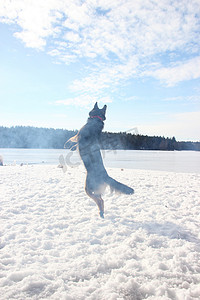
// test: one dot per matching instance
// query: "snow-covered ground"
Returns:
(54, 245)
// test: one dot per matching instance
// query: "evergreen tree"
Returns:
(32, 137)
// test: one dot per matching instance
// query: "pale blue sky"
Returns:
(141, 58)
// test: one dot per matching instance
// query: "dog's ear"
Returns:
(96, 106)
(104, 109)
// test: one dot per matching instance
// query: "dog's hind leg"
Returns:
(100, 203)
(98, 200)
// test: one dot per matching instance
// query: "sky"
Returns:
(139, 57)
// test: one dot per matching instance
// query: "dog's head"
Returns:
(97, 112)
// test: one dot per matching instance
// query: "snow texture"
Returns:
(55, 246)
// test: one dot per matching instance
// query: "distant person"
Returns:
(1, 160)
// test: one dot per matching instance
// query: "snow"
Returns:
(54, 245)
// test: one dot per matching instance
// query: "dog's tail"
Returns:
(119, 187)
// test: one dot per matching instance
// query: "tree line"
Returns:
(33, 137)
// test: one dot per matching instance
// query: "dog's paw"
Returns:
(101, 213)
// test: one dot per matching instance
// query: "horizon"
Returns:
(126, 132)
(58, 58)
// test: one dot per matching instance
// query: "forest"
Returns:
(42, 138)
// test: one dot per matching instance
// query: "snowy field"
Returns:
(54, 245)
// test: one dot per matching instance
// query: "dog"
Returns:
(88, 143)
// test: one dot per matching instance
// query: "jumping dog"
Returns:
(88, 139)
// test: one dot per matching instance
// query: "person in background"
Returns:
(1, 160)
